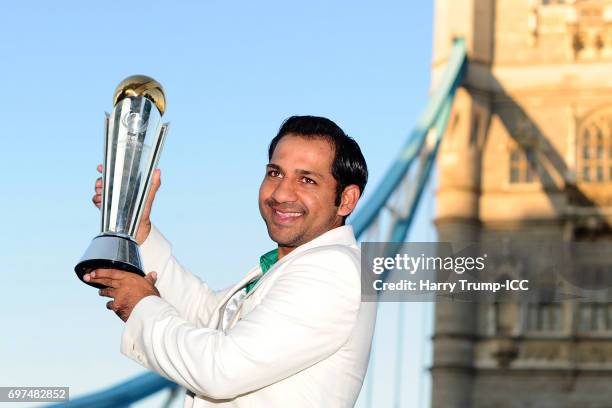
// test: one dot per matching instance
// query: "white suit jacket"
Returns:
(300, 338)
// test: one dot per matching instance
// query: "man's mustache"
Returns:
(272, 203)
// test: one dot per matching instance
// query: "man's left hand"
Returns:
(126, 289)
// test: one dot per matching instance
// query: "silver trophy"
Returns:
(134, 137)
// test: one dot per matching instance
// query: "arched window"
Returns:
(544, 317)
(594, 161)
(595, 317)
(521, 166)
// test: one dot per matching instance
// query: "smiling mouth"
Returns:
(285, 216)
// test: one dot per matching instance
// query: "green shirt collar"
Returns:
(266, 261)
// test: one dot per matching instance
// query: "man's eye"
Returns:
(273, 173)
(309, 180)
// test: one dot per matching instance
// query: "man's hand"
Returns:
(145, 222)
(126, 289)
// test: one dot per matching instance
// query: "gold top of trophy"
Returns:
(141, 85)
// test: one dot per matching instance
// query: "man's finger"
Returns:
(114, 274)
(107, 292)
(111, 283)
(151, 277)
(155, 184)
(157, 178)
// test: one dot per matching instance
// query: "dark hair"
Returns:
(348, 167)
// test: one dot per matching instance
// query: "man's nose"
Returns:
(285, 191)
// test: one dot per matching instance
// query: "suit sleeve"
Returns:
(306, 316)
(191, 297)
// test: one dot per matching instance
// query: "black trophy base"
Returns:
(108, 251)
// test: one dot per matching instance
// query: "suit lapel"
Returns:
(216, 317)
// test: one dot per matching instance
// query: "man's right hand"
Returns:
(145, 223)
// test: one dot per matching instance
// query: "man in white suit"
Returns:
(293, 332)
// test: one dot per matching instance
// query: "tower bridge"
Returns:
(528, 156)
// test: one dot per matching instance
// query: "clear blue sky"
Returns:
(232, 72)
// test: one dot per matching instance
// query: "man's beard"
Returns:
(289, 242)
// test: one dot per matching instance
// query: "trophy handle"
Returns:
(162, 131)
(104, 170)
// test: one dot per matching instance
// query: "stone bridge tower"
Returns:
(528, 154)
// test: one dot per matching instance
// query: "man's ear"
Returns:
(348, 200)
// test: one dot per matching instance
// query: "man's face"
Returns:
(296, 197)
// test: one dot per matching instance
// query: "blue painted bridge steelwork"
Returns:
(386, 216)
